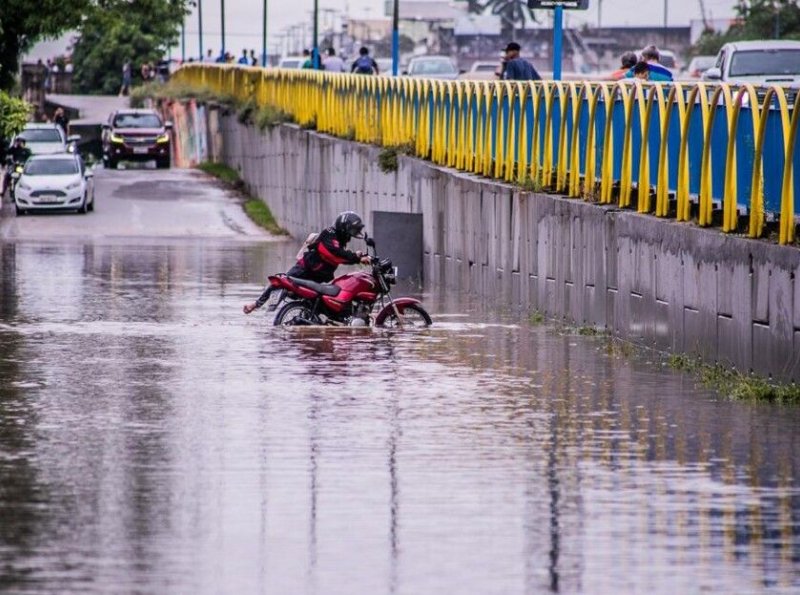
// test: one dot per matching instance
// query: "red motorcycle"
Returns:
(349, 300)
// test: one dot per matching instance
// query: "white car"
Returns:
(53, 182)
(292, 62)
(757, 62)
(482, 71)
(45, 139)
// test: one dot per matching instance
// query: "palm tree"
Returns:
(511, 13)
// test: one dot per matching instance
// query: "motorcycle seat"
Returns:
(321, 288)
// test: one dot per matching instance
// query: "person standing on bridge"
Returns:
(333, 63)
(657, 74)
(629, 60)
(325, 252)
(518, 68)
(364, 64)
(126, 78)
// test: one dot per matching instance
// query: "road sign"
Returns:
(565, 4)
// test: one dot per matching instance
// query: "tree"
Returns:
(23, 23)
(511, 13)
(13, 115)
(139, 31)
(757, 19)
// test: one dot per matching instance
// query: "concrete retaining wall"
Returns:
(668, 285)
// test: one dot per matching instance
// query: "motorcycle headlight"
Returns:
(116, 138)
(164, 138)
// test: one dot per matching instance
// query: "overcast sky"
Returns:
(243, 17)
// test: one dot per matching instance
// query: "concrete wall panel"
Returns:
(655, 281)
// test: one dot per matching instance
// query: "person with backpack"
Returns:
(364, 64)
(323, 254)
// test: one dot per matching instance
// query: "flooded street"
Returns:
(153, 439)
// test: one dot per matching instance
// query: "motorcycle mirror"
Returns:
(370, 242)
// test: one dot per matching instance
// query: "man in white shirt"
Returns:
(333, 63)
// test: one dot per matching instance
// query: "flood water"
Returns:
(153, 439)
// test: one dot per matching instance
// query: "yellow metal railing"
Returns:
(688, 146)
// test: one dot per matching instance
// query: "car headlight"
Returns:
(164, 138)
(116, 138)
(74, 185)
(23, 186)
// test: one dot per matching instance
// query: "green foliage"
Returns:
(178, 91)
(139, 31)
(13, 115)
(269, 117)
(23, 23)
(387, 160)
(529, 184)
(536, 317)
(758, 19)
(222, 172)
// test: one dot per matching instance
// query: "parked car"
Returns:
(384, 66)
(43, 139)
(757, 62)
(432, 67)
(698, 65)
(52, 182)
(482, 71)
(292, 62)
(136, 135)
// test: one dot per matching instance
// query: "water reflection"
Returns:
(154, 439)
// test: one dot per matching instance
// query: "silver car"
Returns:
(757, 62)
(45, 139)
(433, 67)
(53, 182)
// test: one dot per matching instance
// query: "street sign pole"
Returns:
(200, 27)
(558, 34)
(264, 38)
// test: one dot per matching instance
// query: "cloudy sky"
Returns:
(243, 17)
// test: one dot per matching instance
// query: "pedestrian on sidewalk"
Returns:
(125, 89)
(364, 64)
(518, 68)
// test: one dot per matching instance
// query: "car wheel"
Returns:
(91, 204)
(164, 163)
(84, 208)
(111, 163)
(19, 211)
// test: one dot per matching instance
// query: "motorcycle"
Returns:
(349, 300)
(12, 173)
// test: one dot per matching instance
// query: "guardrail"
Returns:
(663, 149)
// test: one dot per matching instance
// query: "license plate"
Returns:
(47, 199)
(140, 150)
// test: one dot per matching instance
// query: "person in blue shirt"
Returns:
(516, 67)
(658, 74)
(244, 60)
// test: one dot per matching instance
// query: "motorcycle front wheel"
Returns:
(293, 314)
(413, 316)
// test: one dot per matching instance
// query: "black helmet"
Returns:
(348, 225)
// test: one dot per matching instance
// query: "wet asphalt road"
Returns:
(155, 440)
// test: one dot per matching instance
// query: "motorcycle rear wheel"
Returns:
(293, 314)
(413, 316)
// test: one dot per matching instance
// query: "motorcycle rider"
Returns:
(325, 253)
(17, 154)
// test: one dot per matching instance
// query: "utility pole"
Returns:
(264, 38)
(200, 26)
(183, 41)
(666, 16)
(222, 11)
(599, 14)
(315, 41)
(395, 37)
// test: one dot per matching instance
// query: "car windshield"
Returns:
(432, 67)
(137, 121)
(486, 67)
(41, 135)
(290, 64)
(765, 63)
(51, 167)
